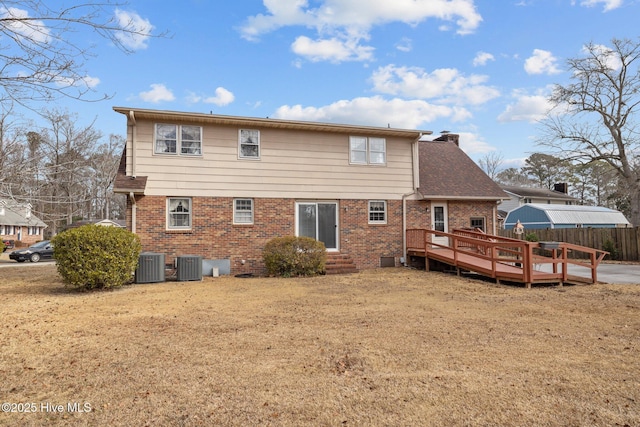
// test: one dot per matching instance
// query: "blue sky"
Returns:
(480, 68)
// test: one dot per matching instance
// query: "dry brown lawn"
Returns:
(383, 347)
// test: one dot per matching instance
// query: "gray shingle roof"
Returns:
(15, 214)
(446, 172)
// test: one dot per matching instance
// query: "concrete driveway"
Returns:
(607, 273)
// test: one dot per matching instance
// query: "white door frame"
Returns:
(441, 210)
(316, 203)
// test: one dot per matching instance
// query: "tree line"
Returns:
(63, 169)
(595, 183)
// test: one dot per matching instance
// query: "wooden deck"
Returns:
(505, 259)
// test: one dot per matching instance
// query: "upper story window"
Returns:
(175, 139)
(178, 213)
(377, 212)
(371, 151)
(249, 144)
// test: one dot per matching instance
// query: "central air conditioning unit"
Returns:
(150, 268)
(188, 267)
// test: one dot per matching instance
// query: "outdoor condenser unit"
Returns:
(150, 268)
(189, 267)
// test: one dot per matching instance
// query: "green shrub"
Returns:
(96, 257)
(610, 247)
(294, 256)
(1, 246)
(531, 237)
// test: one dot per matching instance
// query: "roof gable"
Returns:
(447, 172)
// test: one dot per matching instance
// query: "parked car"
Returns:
(34, 253)
(8, 244)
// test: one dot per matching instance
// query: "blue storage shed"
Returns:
(539, 216)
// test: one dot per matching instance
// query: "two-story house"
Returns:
(222, 186)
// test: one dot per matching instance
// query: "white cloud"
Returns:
(472, 143)
(608, 4)
(526, 108)
(482, 58)
(375, 111)
(333, 50)
(541, 62)
(19, 22)
(341, 25)
(221, 98)
(360, 14)
(405, 45)
(158, 93)
(447, 85)
(137, 30)
(605, 55)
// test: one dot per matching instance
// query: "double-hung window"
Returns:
(478, 222)
(367, 151)
(243, 211)
(377, 212)
(249, 144)
(178, 139)
(179, 215)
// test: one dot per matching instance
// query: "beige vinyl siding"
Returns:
(293, 164)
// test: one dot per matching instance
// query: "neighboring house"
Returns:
(540, 216)
(19, 224)
(519, 196)
(221, 186)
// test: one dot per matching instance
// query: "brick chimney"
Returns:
(561, 187)
(449, 137)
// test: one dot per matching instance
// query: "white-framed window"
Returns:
(33, 231)
(179, 213)
(1, 230)
(243, 211)
(478, 222)
(367, 151)
(178, 139)
(249, 144)
(377, 212)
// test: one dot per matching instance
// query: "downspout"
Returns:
(415, 174)
(134, 134)
(132, 197)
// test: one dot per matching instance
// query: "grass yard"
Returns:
(382, 347)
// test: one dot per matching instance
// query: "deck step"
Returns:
(339, 263)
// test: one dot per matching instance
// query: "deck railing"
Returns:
(528, 258)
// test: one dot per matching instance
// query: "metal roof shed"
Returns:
(537, 216)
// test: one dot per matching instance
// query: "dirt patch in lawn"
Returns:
(381, 347)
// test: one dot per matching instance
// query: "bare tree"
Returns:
(491, 163)
(596, 118)
(39, 58)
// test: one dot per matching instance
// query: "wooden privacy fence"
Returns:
(624, 241)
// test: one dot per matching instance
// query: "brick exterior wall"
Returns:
(25, 239)
(214, 236)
